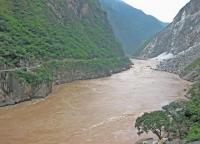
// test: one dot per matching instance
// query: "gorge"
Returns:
(65, 76)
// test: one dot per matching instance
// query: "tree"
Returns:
(177, 110)
(158, 122)
(193, 110)
(194, 133)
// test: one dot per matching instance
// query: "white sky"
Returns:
(164, 10)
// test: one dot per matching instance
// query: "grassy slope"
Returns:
(193, 69)
(36, 32)
(32, 31)
(193, 65)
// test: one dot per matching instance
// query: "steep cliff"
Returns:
(180, 40)
(53, 41)
(130, 25)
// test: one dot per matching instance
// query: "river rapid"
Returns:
(99, 111)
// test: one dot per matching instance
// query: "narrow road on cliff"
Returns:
(39, 65)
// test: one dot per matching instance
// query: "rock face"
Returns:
(180, 38)
(13, 90)
(130, 25)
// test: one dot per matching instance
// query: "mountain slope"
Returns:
(131, 26)
(53, 41)
(32, 30)
(182, 40)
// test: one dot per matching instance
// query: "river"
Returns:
(99, 111)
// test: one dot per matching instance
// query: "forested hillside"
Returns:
(41, 30)
(54, 40)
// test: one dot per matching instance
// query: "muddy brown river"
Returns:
(99, 111)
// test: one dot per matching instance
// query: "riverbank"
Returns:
(23, 84)
(92, 111)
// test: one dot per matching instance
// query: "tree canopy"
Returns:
(158, 122)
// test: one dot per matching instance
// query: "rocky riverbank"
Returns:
(185, 64)
(179, 42)
(22, 85)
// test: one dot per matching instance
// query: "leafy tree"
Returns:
(194, 133)
(158, 122)
(176, 110)
(193, 111)
(195, 92)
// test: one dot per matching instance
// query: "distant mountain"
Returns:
(130, 25)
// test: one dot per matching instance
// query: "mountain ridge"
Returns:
(130, 25)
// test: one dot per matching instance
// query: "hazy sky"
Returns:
(164, 10)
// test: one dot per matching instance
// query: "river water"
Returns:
(99, 111)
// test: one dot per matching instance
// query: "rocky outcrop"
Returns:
(181, 39)
(13, 90)
(64, 76)
(178, 63)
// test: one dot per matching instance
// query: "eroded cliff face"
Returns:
(181, 39)
(78, 8)
(13, 90)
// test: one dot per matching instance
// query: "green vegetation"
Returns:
(49, 70)
(184, 118)
(184, 115)
(58, 36)
(92, 66)
(193, 113)
(179, 121)
(192, 70)
(157, 122)
(32, 31)
(38, 76)
(193, 65)
(195, 91)
(194, 133)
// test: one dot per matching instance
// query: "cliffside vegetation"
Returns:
(194, 64)
(54, 41)
(35, 31)
(77, 69)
